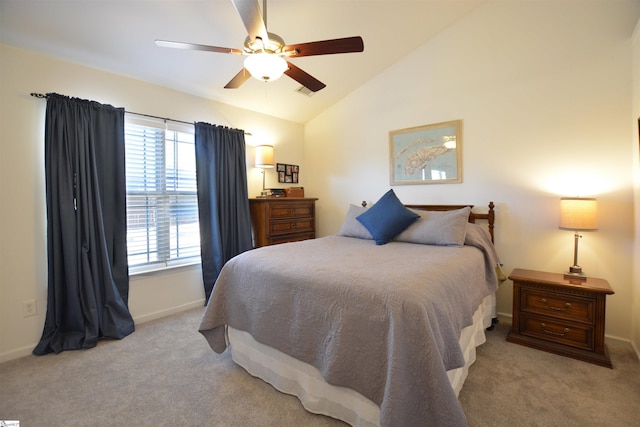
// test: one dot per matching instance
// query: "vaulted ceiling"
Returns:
(118, 36)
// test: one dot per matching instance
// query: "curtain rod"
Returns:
(43, 96)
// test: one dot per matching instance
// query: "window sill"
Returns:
(144, 272)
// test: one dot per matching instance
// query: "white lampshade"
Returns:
(265, 66)
(264, 156)
(578, 213)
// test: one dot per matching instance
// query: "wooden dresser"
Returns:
(282, 219)
(561, 316)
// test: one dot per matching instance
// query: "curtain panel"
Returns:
(88, 278)
(223, 198)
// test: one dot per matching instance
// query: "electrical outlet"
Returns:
(29, 308)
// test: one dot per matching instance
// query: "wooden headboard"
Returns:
(489, 216)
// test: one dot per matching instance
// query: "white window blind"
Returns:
(162, 205)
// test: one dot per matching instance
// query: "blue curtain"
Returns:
(88, 278)
(223, 198)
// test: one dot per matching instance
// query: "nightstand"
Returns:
(560, 316)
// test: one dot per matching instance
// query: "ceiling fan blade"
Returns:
(238, 79)
(193, 46)
(305, 79)
(251, 15)
(325, 47)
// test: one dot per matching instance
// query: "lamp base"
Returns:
(569, 275)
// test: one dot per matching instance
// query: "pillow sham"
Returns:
(441, 228)
(351, 227)
(386, 218)
(477, 236)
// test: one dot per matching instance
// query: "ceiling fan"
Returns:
(267, 53)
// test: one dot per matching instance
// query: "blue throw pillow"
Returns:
(386, 218)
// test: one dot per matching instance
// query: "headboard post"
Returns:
(491, 217)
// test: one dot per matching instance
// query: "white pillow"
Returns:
(442, 228)
(351, 227)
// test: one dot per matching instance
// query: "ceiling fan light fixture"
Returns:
(266, 52)
(265, 66)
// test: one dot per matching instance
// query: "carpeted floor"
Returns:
(513, 385)
(164, 374)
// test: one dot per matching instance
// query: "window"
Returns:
(162, 205)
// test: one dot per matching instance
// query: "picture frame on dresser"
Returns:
(429, 154)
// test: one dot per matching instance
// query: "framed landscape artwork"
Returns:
(430, 154)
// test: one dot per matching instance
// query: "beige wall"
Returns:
(635, 143)
(544, 89)
(23, 271)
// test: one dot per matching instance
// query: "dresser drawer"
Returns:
(291, 210)
(286, 238)
(302, 225)
(554, 330)
(559, 305)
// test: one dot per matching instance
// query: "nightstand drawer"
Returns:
(567, 333)
(562, 306)
(302, 225)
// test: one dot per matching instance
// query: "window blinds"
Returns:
(162, 207)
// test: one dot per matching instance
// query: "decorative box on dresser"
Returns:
(282, 219)
(559, 315)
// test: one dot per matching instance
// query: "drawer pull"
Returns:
(566, 307)
(560, 334)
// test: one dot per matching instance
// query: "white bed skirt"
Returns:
(292, 376)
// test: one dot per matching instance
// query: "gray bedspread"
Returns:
(383, 320)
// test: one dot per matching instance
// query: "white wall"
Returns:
(544, 90)
(635, 143)
(23, 269)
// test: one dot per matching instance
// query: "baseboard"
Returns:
(504, 317)
(17, 353)
(167, 312)
(612, 339)
(26, 351)
(635, 350)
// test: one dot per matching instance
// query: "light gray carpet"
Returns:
(164, 374)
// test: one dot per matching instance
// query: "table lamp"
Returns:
(264, 160)
(577, 214)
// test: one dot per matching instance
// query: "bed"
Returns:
(366, 332)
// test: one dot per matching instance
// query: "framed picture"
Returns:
(287, 173)
(430, 154)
